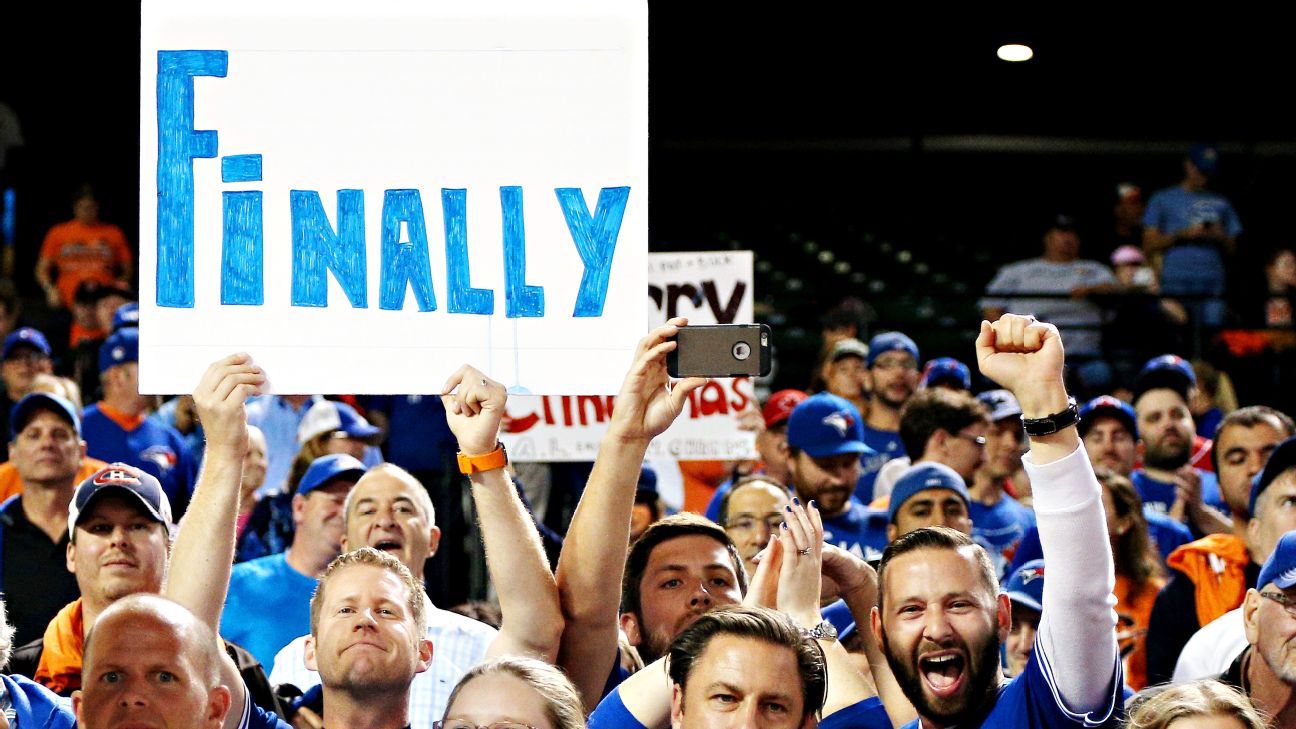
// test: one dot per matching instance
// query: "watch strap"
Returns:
(1051, 424)
(469, 465)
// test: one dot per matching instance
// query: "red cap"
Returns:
(780, 405)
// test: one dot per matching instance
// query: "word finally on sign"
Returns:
(365, 198)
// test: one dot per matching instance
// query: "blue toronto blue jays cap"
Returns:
(127, 315)
(121, 477)
(890, 342)
(1001, 404)
(1107, 406)
(947, 370)
(1280, 569)
(1205, 157)
(1025, 586)
(22, 412)
(919, 478)
(1281, 458)
(324, 469)
(1167, 371)
(826, 425)
(327, 416)
(26, 337)
(120, 347)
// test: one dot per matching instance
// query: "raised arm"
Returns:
(593, 555)
(1077, 629)
(198, 577)
(532, 621)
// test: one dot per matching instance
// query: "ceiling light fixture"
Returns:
(1015, 53)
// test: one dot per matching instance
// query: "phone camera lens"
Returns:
(741, 351)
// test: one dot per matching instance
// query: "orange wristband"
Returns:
(469, 465)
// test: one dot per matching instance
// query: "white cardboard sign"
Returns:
(365, 196)
(709, 288)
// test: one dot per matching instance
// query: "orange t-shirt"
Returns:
(85, 253)
(1135, 610)
(701, 479)
(11, 483)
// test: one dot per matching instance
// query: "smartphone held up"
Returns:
(721, 350)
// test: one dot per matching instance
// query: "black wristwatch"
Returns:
(1036, 427)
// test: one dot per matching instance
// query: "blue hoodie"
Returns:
(35, 705)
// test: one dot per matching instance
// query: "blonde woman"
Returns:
(1197, 705)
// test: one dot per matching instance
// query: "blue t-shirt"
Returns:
(1166, 533)
(1000, 528)
(1175, 209)
(151, 447)
(886, 444)
(268, 606)
(859, 530)
(419, 438)
(1158, 496)
(867, 714)
(1031, 701)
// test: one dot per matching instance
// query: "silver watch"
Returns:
(823, 631)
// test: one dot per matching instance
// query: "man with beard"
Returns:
(941, 617)
(893, 373)
(825, 442)
(1209, 577)
(1167, 483)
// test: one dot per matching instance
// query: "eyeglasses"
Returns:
(979, 440)
(748, 523)
(1288, 604)
(462, 724)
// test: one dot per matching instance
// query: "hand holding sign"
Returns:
(220, 398)
(647, 403)
(474, 406)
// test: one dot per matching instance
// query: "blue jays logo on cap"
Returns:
(1030, 575)
(840, 421)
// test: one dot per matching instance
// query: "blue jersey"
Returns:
(1166, 533)
(1174, 209)
(1031, 701)
(150, 446)
(886, 444)
(859, 530)
(1158, 496)
(1000, 528)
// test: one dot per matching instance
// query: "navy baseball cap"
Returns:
(922, 477)
(120, 347)
(1001, 404)
(1108, 407)
(327, 416)
(1281, 458)
(1026, 585)
(1205, 157)
(326, 468)
(127, 315)
(826, 425)
(126, 479)
(890, 342)
(22, 412)
(1280, 569)
(26, 337)
(1167, 371)
(947, 370)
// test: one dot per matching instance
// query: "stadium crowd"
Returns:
(237, 558)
